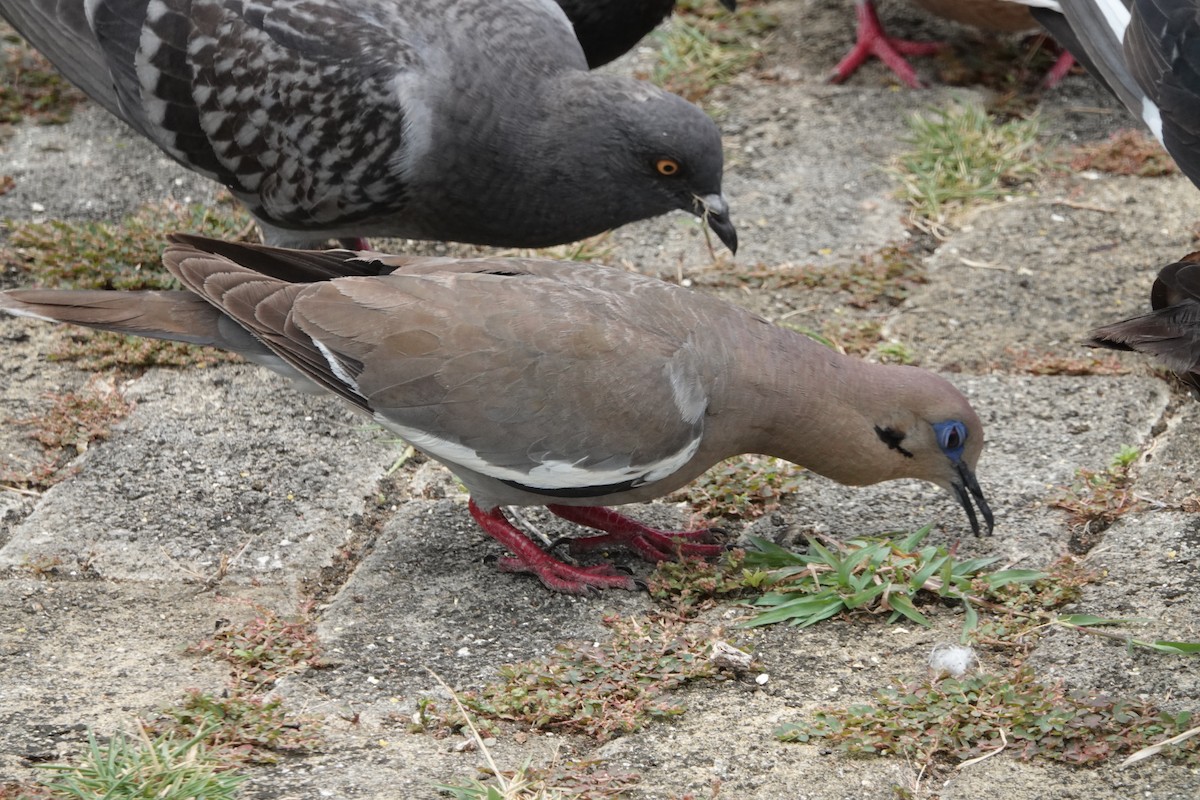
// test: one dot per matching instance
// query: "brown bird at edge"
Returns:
(999, 16)
(1171, 332)
(537, 382)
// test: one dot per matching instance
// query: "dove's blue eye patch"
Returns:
(952, 437)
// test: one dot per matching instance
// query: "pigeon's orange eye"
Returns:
(667, 166)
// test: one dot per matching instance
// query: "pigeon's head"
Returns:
(643, 152)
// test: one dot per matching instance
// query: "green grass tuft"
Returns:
(703, 47)
(30, 87)
(133, 768)
(960, 157)
(120, 255)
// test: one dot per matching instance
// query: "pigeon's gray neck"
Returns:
(559, 157)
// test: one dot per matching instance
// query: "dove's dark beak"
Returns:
(730, 4)
(966, 488)
(715, 211)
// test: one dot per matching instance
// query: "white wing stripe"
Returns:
(1117, 16)
(339, 371)
(549, 475)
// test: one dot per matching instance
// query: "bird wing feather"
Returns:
(546, 374)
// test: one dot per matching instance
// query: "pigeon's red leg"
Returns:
(528, 557)
(1059, 70)
(650, 543)
(872, 41)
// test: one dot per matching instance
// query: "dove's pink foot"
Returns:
(528, 557)
(650, 543)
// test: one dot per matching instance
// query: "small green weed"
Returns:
(704, 47)
(960, 157)
(691, 584)
(948, 719)
(245, 724)
(895, 353)
(30, 87)
(126, 768)
(745, 487)
(193, 748)
(1098, 498)
(882, 576)
(266, 648)
(74, 422)
(239, 728)
(122, 255)
(599, 690)
(856, 337)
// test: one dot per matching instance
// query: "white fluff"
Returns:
(954, 660)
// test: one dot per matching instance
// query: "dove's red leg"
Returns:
(650, 543)
(528, 557)
(873, 41)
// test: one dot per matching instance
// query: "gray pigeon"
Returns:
(608, 29)
(1171, 332)
(458, 120)
(1148, 54)
(538, 382)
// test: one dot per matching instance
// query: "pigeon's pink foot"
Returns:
(649, 543)
(1059, 70)
(528, 557)
(872, 41)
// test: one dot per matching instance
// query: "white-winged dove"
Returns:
(454, 120)
(1171, 332)
(539, 382)
(608, 29)
(1000, 16)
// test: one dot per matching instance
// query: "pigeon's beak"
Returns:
(715, 211)
(966, 488)
(730, 4)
